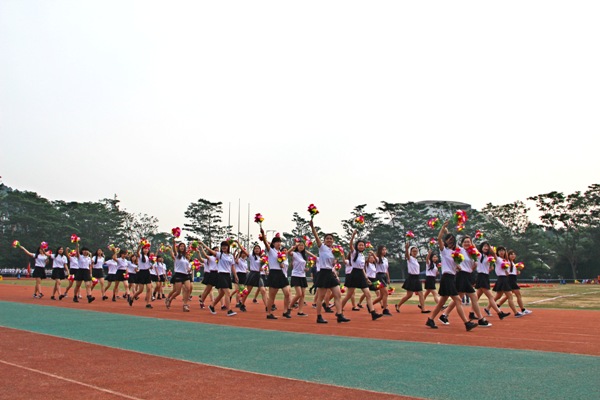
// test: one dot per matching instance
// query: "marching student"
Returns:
(298, 254)
(158, 274)
(483, 279)
(254, 278)
(39, 271)
(181, 276)
(73, 267)
(84, 273)
(226, 269)
(143, 279)
(413, 283)
(276, 279)
(326, 277)
(358, 277)
(211, 273)
(111, 276)
(464, 287)
(241, 268)
(98, 270)
(503, 285)
(431, 272)
(447, 245)
(122, 266)
(382, 275)
(132, 275)
(59, 267)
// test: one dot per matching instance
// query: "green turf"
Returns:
(413, 369)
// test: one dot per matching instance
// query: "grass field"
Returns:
(569, 296)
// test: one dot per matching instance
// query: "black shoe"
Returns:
(104, 298)
(430, 323)
(113, 299)
(91, 298)
(212, 310)
(375, 315)
(341, 318)
(62, 296)
(483, 323)
(397, 307)
(287, 314)
(359, 305)
(223, 308)
(301, 314)
(242, 308)
(425, 311)
(444, 319)
(237, 305)
(149, 306)
(271, 316)
(387, 312)
(75, 299)
(327, 308)
(487, 311)
(472, 315)
(255, 301)
(320, 320)
(52, 298)
(503, 315)
(273, 307)
(130, 301)
(470, 325)
(231, 313)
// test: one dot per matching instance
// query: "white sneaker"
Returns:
(527, 312)
(519, 315)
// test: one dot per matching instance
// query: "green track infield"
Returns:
(404, 368)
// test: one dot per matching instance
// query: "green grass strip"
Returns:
(406, 368)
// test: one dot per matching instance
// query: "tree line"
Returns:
(565, 243)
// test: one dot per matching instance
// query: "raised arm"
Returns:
(208, 250)
(443, 231)
(316, 235)
(352, 242)
(242, 249)
(406, 254)
(310, 254)
(30, 254)
(264, 239)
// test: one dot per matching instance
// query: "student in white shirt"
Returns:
(503, 286)
(413, 283)
(276, 279)
(447, 244)
(299, 256)
(226, 269)
(431, 272)
(483, 279)
(382, 275)
(144, 264)
(211, 273)
(73, 267)
(39, 271)
(241, 268)
(254, 278)
(111, 277)
(60, 270)
(181, 275)
(327, 279)
(98, 270)
(159, 273)
(83, 273)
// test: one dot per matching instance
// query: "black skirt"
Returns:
(223, 280)
(483, 281)
(463, 282)
(502, 284)
(412, 284)
(326, 279)
(213, 278)
(277, 279)
(383, 278)
(111, 277)
(143, 277)
(58, 273)
(162, 278)
(356, 279)
(448, 286)
(154, 278)
(512, 280)
(298, 281)
(97, 273)
(430, 283)
(132, 278)
(241, 278)
(39, 272)
(120, 275)
(254, 279)
(180, 277)
(83, 274)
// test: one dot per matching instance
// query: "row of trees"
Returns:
(566, 242)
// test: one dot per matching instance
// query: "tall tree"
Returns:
(204, 221)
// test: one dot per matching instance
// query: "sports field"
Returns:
(66, 350)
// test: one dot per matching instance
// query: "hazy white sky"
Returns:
(282, 104)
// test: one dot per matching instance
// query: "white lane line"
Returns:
(558, 297)
(70, 380)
